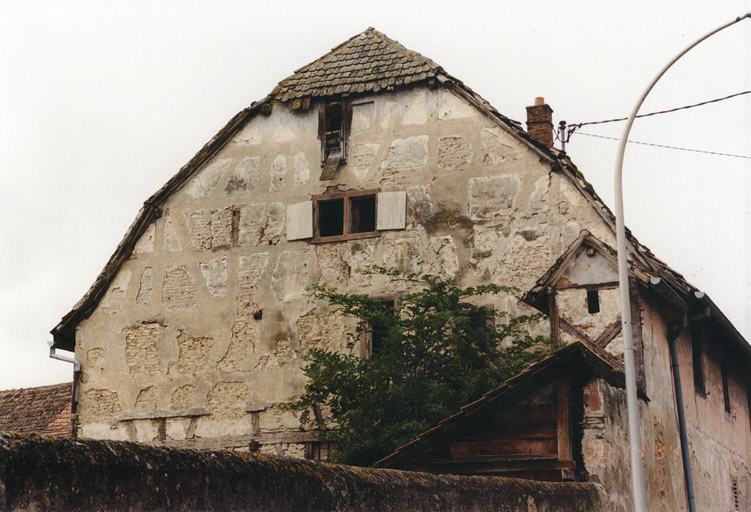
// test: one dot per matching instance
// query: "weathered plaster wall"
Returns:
(720, 443)
(201, 334)
(52, 474)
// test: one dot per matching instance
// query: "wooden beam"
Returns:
(564, 425)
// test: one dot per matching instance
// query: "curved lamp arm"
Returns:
(638, 487)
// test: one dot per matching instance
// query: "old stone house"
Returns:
(193, 333)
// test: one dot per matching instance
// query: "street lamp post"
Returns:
(638, 487)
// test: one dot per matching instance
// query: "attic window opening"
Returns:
(593, 301)
(333, 124)
(344, 216)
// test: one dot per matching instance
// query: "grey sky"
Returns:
(101, 102)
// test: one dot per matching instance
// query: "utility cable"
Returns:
(667, 147)
(579, 125)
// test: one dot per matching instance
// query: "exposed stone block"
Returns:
(141, 353)
(228, 400)
(252, 222)
(497, 146)
(284, 352)
(222, 222)
(194, 354)
(404, 157)
(146, 400)
(113, 301)
(146, 430)
(199, 227)
(419, 207)
(183, 398)
(93, 356)
(177, 428)
(99, 405)
(445, 250)
(454, 152)
(145, 244)
(145, 287)
(276, 420)
(171, 240)
(491, 198)
(274, 224)
(241, 342)
(361, 157)
(178, 289)
(209, 177)
(323, 331)
(250, 270)
(244, 177)
(278, 171)
(302, 171)
(215, 274)
(290, 276)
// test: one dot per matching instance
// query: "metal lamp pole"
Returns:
(638, 486)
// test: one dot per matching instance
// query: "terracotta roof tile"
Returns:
(41, 410)
(368, 61)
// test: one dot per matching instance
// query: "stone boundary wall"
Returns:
(43, 473)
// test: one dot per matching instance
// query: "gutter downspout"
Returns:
(76, 380)
(675, 328)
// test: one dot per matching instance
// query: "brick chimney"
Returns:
(540, 122)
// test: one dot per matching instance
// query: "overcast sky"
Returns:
(102, 102)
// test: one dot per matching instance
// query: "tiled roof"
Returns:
(370, 61)
(41, 410)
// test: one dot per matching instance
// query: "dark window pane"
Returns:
(593, 301)
(331, 217)
(333, 126)
(362, 214)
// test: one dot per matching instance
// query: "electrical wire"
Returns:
(579, 125)
(667, 147)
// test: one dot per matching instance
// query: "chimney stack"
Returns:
(540, 122)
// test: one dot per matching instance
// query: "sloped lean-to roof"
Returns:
(39, 410)
(568, 360)
(365, 64)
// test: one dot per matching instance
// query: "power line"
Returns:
(667, 147)
(579, 125)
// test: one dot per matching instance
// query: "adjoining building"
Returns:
(38, 410)
(193, 333)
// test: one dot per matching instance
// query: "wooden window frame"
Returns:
(347, 197)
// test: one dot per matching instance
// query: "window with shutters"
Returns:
(346, 215)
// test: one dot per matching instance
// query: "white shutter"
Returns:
(392, 210)
(300, 220)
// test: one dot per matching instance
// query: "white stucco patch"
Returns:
(145, 244)
(208, 178)
(113, 301)
(245, 175)
(171, 240)
(278, 170)
(417, 112)
(363, 118)
(302, 171)
(452, 107)
(215, 274)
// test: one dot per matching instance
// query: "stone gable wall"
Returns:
(201, 334)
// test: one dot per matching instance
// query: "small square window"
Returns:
(320, 452)
(344, 216)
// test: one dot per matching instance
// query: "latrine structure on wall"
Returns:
(193, 333)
